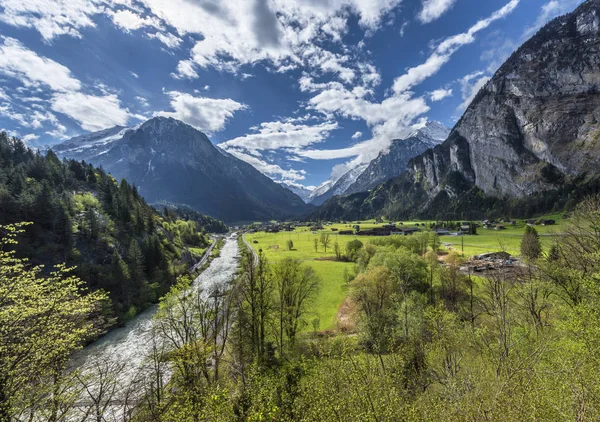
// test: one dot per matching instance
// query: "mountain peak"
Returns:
(433, 130)
(174, 162)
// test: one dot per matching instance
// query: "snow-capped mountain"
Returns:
(432, 132)
(171, 161)
(392, 163)
(301, 191)
(322, 188)
(339, 186)
(84, 147)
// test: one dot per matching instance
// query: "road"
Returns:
(254, 254)
(206, 255)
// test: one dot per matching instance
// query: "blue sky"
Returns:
(301, 89)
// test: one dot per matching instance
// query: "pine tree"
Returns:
(531, 248)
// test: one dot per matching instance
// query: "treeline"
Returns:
(83, 217)
(403, 199)
(204, 222)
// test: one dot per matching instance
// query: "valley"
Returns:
(336, 273)
(299, 211)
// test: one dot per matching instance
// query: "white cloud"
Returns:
(357, 135)
(168, 39)
(239, 32)
(30, 137)
(281, 135)
(35, 72)
(185, 70)
(272, 170)
(403, 28)
(434, 9)
(299, 185)
(440, 94)
(7, 111)
(143, 102)
(131, 21)
(19, 62)
(206, 114)
(444, 51)
(3, 95)
(50, 18)
(59, 134)
(91, 112)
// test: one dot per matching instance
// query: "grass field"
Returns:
(333, 289)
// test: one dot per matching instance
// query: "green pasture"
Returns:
(333, 289)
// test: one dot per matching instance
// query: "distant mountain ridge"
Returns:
(394, 162)
(171, 161)
(301, 191)
(387, 165)
(334, 187)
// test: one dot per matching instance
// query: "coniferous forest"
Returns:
(86, 219)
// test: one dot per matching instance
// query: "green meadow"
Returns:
(333, 287)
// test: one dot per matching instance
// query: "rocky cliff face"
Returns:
(531, 135)
(536, 121)
(392, 163)
(173, 162)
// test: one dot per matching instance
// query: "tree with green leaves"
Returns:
(43, 320)
(324, 240)
(531, 247)
(296, 286)
(352, 249)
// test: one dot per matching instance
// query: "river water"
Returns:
(127, 348)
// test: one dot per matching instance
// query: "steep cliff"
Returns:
(535, 122)
(533, 131)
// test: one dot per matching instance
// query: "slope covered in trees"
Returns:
(83, 217)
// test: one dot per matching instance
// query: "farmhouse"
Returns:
(405, 231)
(492, 256)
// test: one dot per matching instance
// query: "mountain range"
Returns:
(393, 162)
(336, 186)
(387, 165)
(531, 136)
(170, 161)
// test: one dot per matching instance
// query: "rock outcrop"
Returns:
(535, 122)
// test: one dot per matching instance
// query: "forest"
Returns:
(82, 217)
(431, 342)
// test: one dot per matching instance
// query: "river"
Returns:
(127, 348)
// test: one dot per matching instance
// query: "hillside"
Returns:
(173, 162)
(83, 217)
